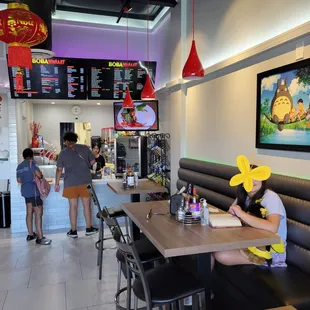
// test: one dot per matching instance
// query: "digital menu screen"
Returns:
(143, 117)
(108, 79)
(55, 78)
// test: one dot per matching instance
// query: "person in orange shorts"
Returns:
(76, 160)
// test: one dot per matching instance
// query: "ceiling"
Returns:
(113, 7)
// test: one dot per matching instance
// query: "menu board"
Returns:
(55, 78)
(108, 79)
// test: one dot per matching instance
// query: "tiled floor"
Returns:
(62, 276)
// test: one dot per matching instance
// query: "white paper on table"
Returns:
(214, 210)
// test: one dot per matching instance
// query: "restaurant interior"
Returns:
(201, 111)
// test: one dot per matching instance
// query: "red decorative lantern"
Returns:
(21, 29)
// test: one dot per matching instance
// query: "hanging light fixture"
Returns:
(148, 92)
(128, 102)
(193, 69)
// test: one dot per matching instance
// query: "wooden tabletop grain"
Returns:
(145, 186)
(172, 238)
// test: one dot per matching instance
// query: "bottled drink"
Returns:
(136, 179)
(205, 213)
(130, 178)
(195, 196)
(124, 180)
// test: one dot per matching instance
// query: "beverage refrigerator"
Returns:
(131, 151)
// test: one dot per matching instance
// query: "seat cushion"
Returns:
(114, 212)
(168, 283)
(270, 287)
(146, 251)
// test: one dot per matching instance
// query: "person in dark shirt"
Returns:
(25, 174)
(76, 160)
(99, 158)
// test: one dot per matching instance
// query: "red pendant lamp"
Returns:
(148, 92)
(193, 69)
(128, 102)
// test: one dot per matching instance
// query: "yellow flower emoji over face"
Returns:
(247, 175)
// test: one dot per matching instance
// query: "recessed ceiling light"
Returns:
(52, 102)
(98, 103)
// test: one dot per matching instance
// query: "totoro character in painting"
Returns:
(281, 105)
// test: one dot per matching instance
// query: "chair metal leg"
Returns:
(203, 301)
(99, 240)
(195, 305)
(101, 251)
(128, 289)
(119, 275)
(181, 304)
(126, 226)
(136, 303)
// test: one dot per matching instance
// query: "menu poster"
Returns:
(108, 79)
(55, 78)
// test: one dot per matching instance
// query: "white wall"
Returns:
(4, 141)
(50, 116)
(215, 120)
(24, 117)
(225, 28)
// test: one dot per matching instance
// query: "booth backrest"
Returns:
(212, 183)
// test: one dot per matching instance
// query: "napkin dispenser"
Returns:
(175, 203)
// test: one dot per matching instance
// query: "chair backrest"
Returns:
(94, 197)
(133, 263)
(113, 224)
(212, 183)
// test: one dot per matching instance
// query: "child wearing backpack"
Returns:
(29, 175)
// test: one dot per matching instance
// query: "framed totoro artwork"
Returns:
(283, 108)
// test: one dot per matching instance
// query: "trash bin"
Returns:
(5, 209)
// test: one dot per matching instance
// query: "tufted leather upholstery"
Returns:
(212, 183)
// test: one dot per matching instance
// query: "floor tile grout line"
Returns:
(6, 295)
(66, 296)
(29, 277)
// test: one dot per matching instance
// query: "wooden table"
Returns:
(172, 238)
(145, 186)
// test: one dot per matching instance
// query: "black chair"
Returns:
(164, 284)
(116, 212)
(148, 255)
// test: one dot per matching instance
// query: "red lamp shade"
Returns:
(128, 102)
(21, 29)
(148, 92)
(193, 69)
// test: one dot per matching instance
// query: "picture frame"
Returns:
(283, 108)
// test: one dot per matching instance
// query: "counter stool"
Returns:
(164, 284)
(146, 251)
(116, 212)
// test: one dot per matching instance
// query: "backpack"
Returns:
(42, 185)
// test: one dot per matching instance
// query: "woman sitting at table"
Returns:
(98, 157)
(258, 207)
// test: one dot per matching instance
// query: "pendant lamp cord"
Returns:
(148, 36)
(127, 35)
(193, 21)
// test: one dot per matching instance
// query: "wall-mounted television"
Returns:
(144, 117)
(108, 79)
(55, 78)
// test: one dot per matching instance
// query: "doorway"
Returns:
(83, 130)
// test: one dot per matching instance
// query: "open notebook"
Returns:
(224, 220)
